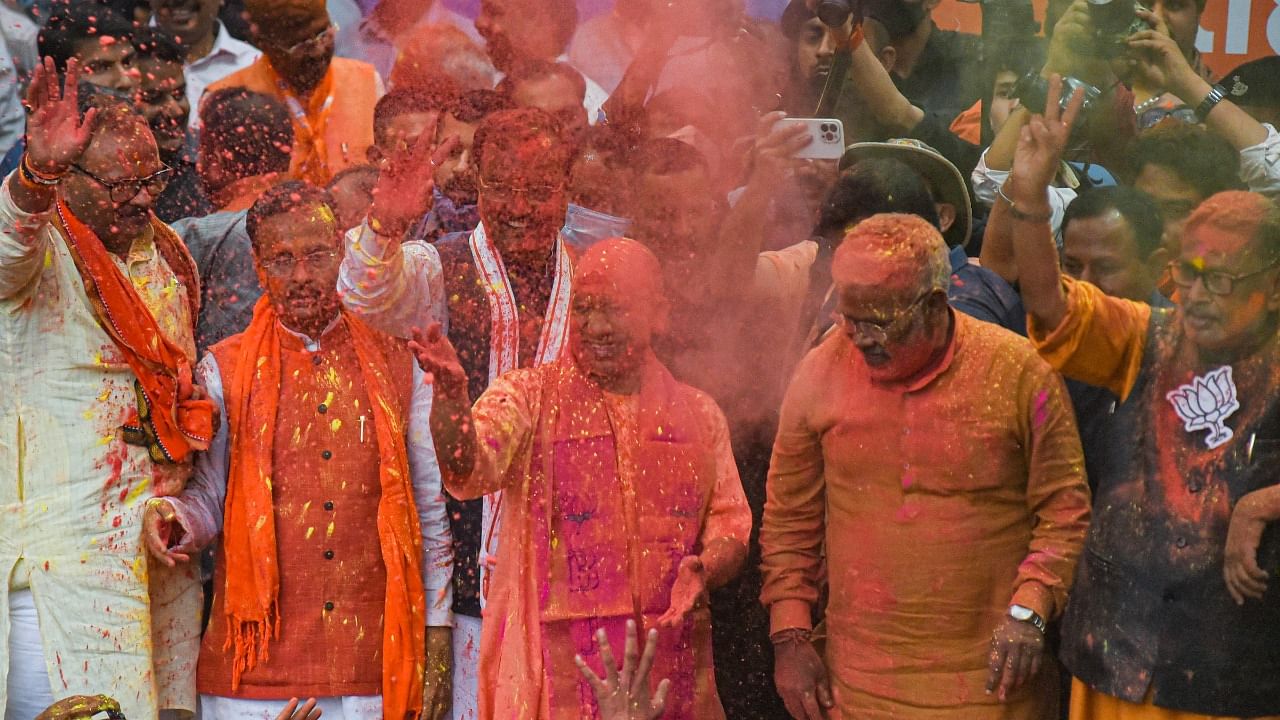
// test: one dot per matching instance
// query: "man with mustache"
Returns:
(162, 100)
(1174, 611)
(329, 98)
(934, 459)
(334, 551)
(623, 503)
(210, 52)
(98, 301)
(502, 292)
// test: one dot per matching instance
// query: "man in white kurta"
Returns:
(72, 491)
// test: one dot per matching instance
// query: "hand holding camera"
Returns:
(1158, 64)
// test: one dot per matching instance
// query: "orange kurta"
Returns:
(940, 502)
(521, 677)
(333, 127)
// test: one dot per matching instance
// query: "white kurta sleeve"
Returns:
(1260, 164)
(428, 496)
(22, 243)
(986, 188)
(394, 289)
(199, 507)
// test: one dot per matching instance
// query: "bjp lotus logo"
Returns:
(1205, 403)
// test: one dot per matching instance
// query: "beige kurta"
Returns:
(72, 492)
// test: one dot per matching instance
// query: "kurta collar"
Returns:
(925, 377)
(293, 340)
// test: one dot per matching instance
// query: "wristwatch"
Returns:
(1027, 615)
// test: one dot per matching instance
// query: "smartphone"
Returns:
(826, 138)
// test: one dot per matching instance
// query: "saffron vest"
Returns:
(1149, 608)
(326, 490)
(615, 508)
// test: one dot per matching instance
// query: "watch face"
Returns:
(1017, 612)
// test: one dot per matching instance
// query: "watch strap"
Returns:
(1210, 101)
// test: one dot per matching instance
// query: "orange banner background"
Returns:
(1231, 31)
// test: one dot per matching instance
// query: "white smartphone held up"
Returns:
(826, 138)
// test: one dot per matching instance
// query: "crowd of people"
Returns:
(390, 359)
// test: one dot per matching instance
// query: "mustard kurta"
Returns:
(940, 502)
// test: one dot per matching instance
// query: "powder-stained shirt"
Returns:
(73, 493)
(940, 501)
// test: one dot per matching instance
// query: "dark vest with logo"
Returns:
(1150, 608)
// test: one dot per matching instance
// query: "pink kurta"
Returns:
(604, 495)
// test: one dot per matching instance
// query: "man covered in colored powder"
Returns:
(331, 99)
(1174, 613)
(323, 486)
(502, 292)
(99, 411)
(621, 499)
(936, 458)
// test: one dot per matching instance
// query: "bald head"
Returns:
(624, 268)
(897, 252)
(618, 306)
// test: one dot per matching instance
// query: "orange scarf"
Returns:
(249, 536)
(167, 420)
(310, 122)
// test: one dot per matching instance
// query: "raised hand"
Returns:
(776, 143)
(688, 594)
(438, 359)
(56, 134)
(1044, 139)
(625, 695)
(405, 182)
(160, 528)
(79, 707)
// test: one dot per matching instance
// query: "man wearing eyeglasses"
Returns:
(331, 99)
(936, 458)
(97, 304)
(501, 291)
(323, 487)
(1174, 612)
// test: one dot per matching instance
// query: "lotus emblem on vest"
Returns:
(1205, 403)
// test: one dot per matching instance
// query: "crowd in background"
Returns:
(393, 356)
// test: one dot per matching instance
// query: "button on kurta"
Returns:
(322, 409)
(326, 454)
(328, 505)
(1180, 542)
(328, 554)
(316, 360)
(328, 607)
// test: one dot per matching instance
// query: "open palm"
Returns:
(56, 134)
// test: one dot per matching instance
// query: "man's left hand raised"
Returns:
(1017, 648)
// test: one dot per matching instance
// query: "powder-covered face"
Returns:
(1225, 325)
(617, 309)
(121, 153)
(162, 99)
(523, 189)
(189, 21)
(298, 253)
(110, 63)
